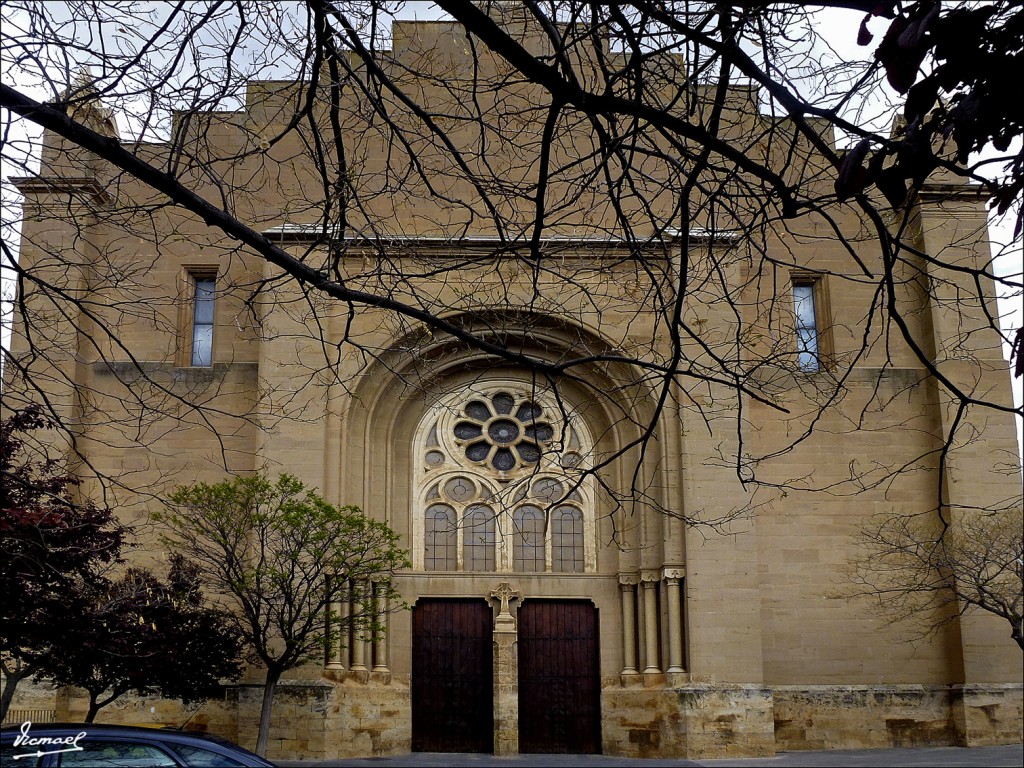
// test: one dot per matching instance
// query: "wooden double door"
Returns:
(453, 677)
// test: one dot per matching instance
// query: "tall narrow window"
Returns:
(202, 320)
(479, 538)
(528, 540)
(567, 540)
(808, 356)
(440, 538)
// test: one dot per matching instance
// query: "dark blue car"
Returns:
(93, 745)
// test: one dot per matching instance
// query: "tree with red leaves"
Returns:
(139, 634)
(65, 620)
(52, 547)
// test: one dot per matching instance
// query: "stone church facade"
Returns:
(544, 613)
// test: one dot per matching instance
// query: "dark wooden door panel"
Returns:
(452, 676)
(559, 677)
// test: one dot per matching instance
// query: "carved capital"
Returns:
(647, 576)
(674, 572)
(628, 578)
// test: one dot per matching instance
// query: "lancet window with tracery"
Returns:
(501, 487)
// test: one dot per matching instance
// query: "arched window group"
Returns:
(501, 488)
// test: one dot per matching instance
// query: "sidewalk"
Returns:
(940, 757)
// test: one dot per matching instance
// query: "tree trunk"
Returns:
(269, 686)
(11, 680)
(94, 707)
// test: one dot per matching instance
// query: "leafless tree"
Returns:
(912, 569)
(653, 172)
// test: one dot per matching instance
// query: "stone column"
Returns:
(344, 633)
(650, 581)
(506, 674)
(673, 579)
(334, 637)
(627, 583)
(358, 607)
(380, 641)
(337, 648)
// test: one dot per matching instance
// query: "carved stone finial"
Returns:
(83, 103)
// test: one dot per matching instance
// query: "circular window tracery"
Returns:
(504, 431)
(460, 489)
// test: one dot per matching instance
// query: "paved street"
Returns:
(939, 757)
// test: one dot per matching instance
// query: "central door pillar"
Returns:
(506, 674)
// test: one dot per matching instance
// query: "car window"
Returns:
(117, 754)
(197, 757)
(8, 754)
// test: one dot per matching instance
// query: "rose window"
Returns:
(503, 431)
(502, 485)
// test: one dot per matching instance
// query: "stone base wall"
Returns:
(877, 716)
(218, 716)
(690, 721)
(862, 716)
(342, 715)
(369, 714)
(370, 718)
(987, 715)
(298, 721)
(30, 701)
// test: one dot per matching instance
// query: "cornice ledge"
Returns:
(950, 190)
(37, 185)
(306, 232)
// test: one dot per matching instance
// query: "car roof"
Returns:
(94, 727)
(111, 728)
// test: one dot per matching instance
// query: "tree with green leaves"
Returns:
(278, 556)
